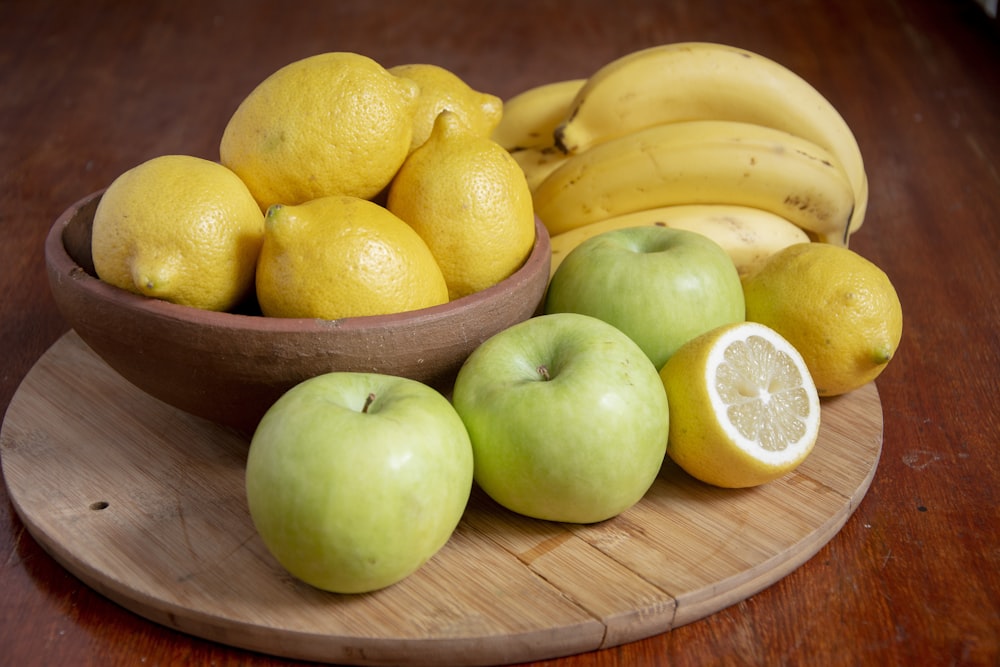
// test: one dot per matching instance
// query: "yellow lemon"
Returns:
(743, 409)
(837, 308)
(179, 228)
(343, 256)
(468, 199)
(442, 89)
(332, 124)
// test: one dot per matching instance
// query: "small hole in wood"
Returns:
(99, 505)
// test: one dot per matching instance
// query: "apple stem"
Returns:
(368, 401)
(543, 370)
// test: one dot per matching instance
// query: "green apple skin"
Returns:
(660, 286)
(349, 498)
(580, 446)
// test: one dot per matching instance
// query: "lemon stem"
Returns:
(881, 356)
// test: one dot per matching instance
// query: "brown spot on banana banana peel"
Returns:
(847, 227)
(807, 205)
(560, 140)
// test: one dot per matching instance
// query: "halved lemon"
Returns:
(743, 408)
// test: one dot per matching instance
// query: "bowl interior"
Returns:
(75, 242)
(229, 367)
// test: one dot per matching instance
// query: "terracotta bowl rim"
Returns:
(63, 264)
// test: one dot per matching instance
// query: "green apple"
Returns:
(661, 286)
(355, 480)
(567, 416)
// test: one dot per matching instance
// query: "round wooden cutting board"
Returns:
(145, 504)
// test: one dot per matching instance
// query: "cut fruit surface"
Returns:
(743, 408)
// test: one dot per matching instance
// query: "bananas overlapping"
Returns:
(656, 134)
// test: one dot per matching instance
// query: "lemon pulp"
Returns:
(743, 408)
(761, 392)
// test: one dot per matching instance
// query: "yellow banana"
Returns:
(705, 81)
(700, 162)
(538, 162)
(530, 117)
(748, 235)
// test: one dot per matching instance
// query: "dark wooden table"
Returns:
(91, 89)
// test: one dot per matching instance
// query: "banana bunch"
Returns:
(689, 133)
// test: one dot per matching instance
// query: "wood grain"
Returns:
(145, 503)
(92, 89)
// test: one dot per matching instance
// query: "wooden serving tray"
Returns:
(145, 504)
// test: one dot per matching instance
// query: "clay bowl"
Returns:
(230, 367)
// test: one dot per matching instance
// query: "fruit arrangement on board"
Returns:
(703, 299)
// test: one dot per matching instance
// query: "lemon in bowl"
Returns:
(179, 228)
(469, 200)
(341, 256)
(440, 90)
(334, 123)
